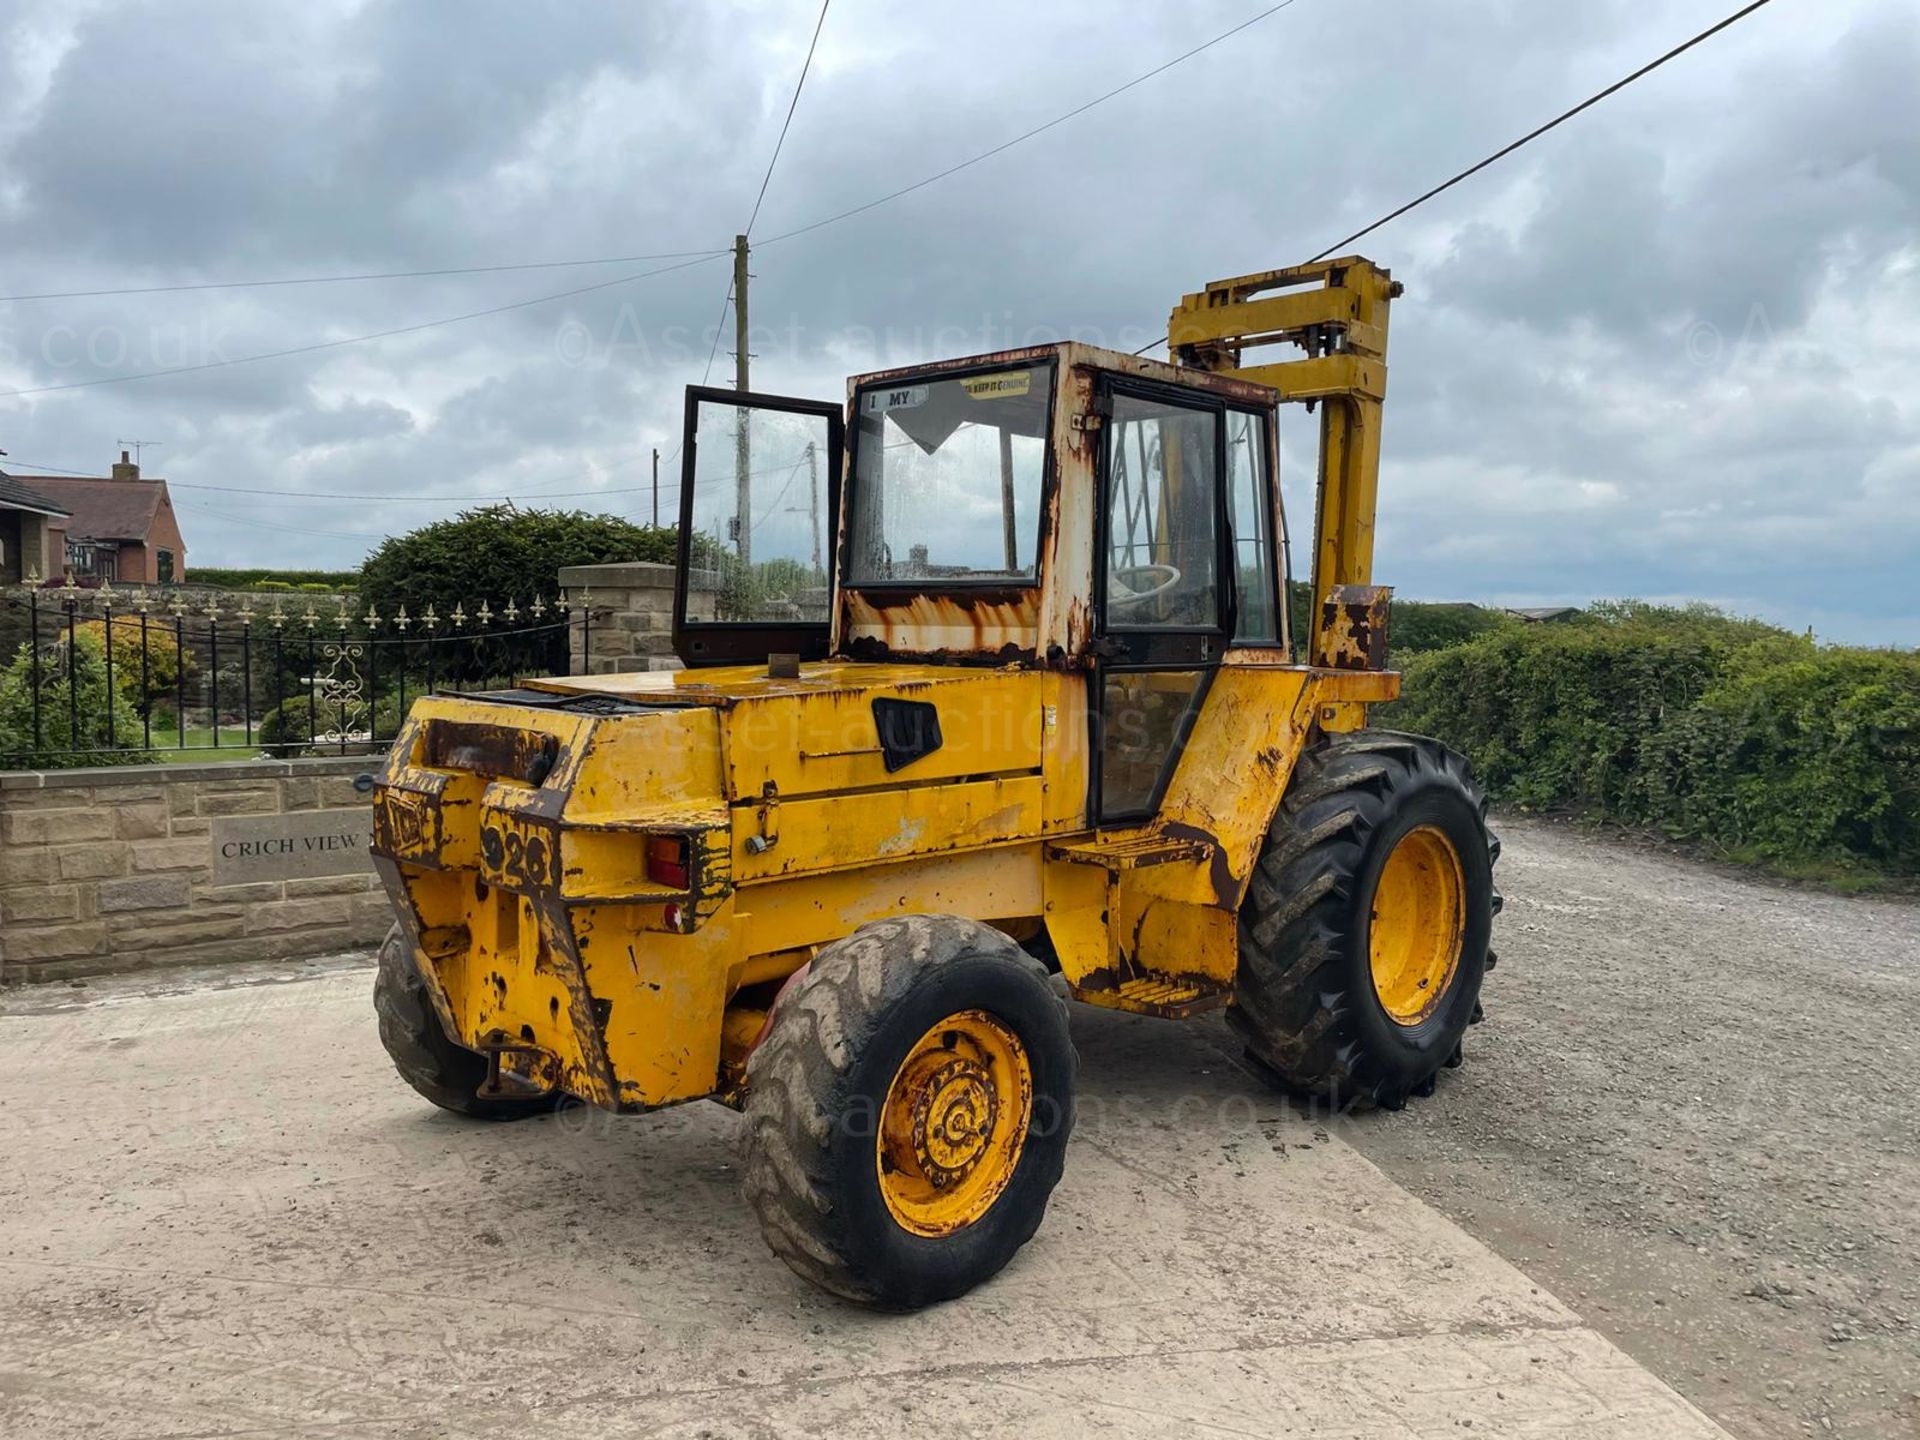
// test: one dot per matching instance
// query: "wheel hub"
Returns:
(1417, 925)
(954, 1123)
(953, 1118)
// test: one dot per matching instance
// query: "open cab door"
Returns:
(759, 496)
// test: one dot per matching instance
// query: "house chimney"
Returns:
(126, 469)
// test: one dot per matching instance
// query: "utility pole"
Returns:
(656, 487)
(743, 441)
(813, 498)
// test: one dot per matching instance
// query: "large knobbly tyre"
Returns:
(1363, 937)
(449, 1075)
(908, 1111)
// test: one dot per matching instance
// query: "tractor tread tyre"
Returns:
(449, 1075)
(817, 1083)
(1304, 1000)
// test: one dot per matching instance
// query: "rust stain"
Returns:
(1353, 627)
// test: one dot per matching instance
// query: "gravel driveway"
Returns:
(1694, 1114)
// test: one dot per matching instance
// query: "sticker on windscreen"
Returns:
(995, 387)
(904, 397)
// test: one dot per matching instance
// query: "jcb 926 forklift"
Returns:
(990, 699)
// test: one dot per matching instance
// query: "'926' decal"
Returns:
(519, 859)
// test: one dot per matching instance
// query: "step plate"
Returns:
(1133, 854)
(1154, 995)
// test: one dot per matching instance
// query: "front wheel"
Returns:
(908, 1111)
(1363, 937)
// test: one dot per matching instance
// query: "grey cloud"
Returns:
(1665, 351)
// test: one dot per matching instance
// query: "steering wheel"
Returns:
(1120, 583)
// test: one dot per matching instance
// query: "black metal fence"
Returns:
(98, 677)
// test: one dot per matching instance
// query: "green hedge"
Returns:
(1759, 743)
(328, 580)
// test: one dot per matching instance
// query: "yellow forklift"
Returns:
(990, 699)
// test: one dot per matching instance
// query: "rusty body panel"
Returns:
(990, 624)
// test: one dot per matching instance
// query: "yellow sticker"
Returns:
(993, 387)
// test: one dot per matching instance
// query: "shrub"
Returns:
(499, 555)
(72, 677)
(160, 676)
(288, 729)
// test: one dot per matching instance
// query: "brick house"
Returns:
(33, 533)
(121, 528)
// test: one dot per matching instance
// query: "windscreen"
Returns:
(947, 478)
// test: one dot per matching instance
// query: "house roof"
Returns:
(104, 509)
(16, 496)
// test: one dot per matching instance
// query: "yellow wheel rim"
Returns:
(954, 1124)
(1417, 925)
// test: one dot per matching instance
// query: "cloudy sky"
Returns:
(1672, 350)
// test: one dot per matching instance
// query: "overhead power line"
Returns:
(1525, 139)
(228, 515)
(332, 495)
(792, 105)
(719, 326)
(1022, 138)
(448, 270)
(364, 275)
(344, 341)
(1535, 134)
(701, 259)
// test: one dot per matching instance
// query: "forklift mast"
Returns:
(1336, 312)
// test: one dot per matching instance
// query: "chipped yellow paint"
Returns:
(853, 830)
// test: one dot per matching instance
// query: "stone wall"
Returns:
(630, 616)
(117, 869)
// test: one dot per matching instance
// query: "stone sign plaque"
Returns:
(295, 846)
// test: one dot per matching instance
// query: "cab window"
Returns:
(1250, 512)
(1162, 482)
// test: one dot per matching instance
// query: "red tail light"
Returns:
(667, 861)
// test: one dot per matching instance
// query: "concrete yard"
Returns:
(222, 1215)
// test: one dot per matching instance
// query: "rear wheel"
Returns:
(908, 1111)
(1363, 938)
(449, 1075)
